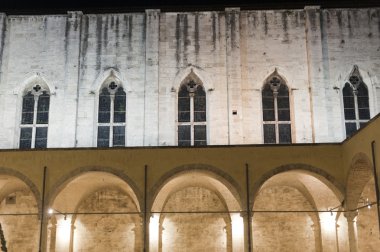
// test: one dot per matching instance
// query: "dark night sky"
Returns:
(99, 6)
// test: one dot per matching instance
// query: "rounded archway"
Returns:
(196, 210)
(95, 211)
(361, 205)
(19, 211)
(297, 210)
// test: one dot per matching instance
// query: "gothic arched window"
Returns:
(276, 111)
(34, 118)
(355, 102)
(192, 115)
(111, 116)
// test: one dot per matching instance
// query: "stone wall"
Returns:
(367, 223)
(230, 52)
(284, 231)
(21, 232)
(186, 231)
(113, 229)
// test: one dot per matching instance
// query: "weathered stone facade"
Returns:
(231, 53)
(157, 197)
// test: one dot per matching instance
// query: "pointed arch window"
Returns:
(192, 129)
(276, 111)
(111, 116)
(34, 118)
(355, 102)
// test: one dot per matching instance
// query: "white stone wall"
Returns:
(232, 52)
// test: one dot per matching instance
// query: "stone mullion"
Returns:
(34, 121)
(112, 110)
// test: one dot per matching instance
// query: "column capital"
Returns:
(351, 215)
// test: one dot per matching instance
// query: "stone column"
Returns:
(154, 233)
(233, 72)
(151, 77)
(352, 230)
(328, 231)
(64, 234)
(52, 229)
(238, 234)
(317, 237)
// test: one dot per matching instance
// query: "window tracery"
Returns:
(355, 102)
(192, 129)
(111, 115)
(34, 118)
(276, 111)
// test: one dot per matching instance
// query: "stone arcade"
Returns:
(227, 131)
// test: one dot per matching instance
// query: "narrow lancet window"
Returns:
(355, 102)
(276, 111)
(192, 115)
(111, 116)
(34, 118)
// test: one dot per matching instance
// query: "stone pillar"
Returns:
(325, 101)
(233, 72)
(352, 230)
(151, 77)
(317, 237)
(237, 227)
(53, 234)
(328, 231)
(64, 234)
(138, 230)
(154, 233)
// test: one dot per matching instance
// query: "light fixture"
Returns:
(365, 203)
(52, 211)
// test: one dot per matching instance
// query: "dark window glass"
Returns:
(119, 105)
(104, 106)
(200, 105)
(363, 102)
(283, 91)
(284, 115)
(364, 114)
(184, 135)
(26, 138)
(283, 102)
(349, 103)
(268, 115)
(41, 137)
(349, 114)
(362, 90)
(43, 109)
(284, 133)
(103, 136)
(27, 109)
(269, 133)
(183, 105)
(118, 136)
(362, 124)
(283, 109)
(268, 104)
(350, 129)
(200, 135)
